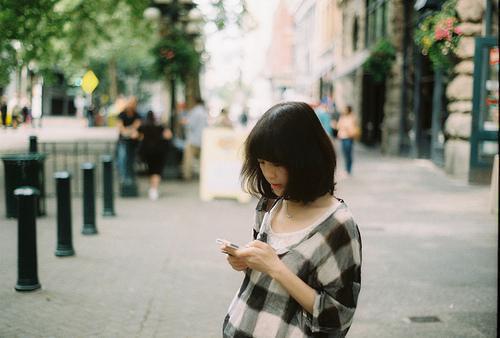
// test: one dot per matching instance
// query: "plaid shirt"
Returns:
(328, 259)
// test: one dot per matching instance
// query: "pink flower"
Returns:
(449, 23)
(441, 33)
(458, 30)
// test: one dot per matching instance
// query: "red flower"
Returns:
(167, 54)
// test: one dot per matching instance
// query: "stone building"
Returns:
(305, 33)
(415, 110)
(478, 18)
(361, 25)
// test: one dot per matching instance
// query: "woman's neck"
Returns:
(295, 208)
(293, 215)
(317, 203)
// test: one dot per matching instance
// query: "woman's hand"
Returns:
(236, 263)
(260, 256)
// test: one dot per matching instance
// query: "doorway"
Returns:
(372, 110)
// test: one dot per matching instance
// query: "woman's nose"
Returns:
(270, 172)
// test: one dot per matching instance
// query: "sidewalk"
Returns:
(54, 129)
(429, 249)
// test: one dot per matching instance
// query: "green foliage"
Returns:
(69, 36)
(438, 35)
(30, 27)
(7, 61)
(380, 61)
(176, 55)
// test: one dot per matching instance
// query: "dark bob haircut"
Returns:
(290, 134)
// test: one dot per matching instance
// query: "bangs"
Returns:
(267, 144)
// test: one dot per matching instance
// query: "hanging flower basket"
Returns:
(176, 55)
(438, 36)
(380, 61)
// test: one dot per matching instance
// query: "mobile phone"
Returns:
(226, 242)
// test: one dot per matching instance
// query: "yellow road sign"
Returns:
(89, 82)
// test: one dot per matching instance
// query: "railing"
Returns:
(69, 156)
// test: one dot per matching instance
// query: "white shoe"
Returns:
(153, 194)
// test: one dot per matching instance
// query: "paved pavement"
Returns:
(430, 248)
(54, 129)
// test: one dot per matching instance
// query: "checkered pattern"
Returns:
(328, 259)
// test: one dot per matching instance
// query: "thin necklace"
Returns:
(286, 210)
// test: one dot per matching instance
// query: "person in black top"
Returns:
(128, 122)
(152, 150)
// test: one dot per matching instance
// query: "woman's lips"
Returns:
(276, 186)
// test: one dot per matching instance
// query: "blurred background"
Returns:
(421, 77)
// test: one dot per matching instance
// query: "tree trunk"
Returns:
(113, 82)
(192, 89)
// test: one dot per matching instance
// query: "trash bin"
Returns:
(24, 170)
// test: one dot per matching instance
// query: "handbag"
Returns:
(356, 133)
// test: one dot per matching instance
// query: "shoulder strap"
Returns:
(264, 205)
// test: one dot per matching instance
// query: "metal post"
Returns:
(27, 268)
(107, 186)
(89, 223)
(64, 224)
(33, 144)
(417, 124)
(404, 141)
(173, 106)
(437, 154)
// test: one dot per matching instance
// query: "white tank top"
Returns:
(283, 240)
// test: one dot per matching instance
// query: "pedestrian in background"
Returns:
(348, 131)
(223, 120)
(303, 269)
(127, 123)
(324, 117)
(15, 115)
(244, 117)
(26, 114)
(152, 150)
(3, 110)
(91, 114)
(335, 115)
(194, 122)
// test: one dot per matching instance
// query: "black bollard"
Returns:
(89, 227)
(33, 144)
(64, 224)
(107, 186)
(27, 267)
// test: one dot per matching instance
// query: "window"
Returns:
(376, 21)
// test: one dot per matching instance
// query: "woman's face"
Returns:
(276, 175)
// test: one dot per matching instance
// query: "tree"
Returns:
(30, 41)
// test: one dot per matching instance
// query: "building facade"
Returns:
(416, 110)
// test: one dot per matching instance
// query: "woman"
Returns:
(348, 131)
(152, 151)
(303, 269)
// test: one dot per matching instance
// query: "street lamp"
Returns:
(177, 27)
(173, 15)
